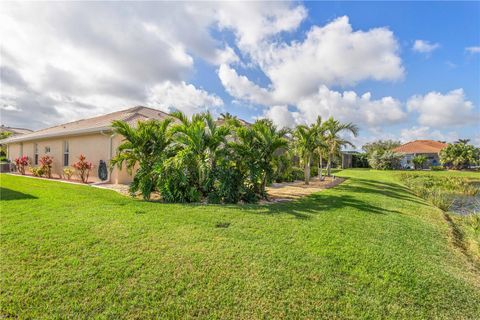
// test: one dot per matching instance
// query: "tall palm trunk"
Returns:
(307, 170)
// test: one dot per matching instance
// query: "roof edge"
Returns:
(25, 137)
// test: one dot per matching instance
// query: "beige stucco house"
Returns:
(91, 137)
(428, 148)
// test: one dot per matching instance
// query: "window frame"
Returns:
(35, 154)
(66, 153)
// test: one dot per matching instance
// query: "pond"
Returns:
(465, 205)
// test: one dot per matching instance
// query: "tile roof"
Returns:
(421, 146)
(95, 124)
(14, 131)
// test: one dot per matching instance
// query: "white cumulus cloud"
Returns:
(423, 46)
(425, 132)
(350, 107)
(242, 88)
(253, 22)
(169, 96)
(443, 110)
(331, 55)
(346, 106)
(334, 54)
(282, 117)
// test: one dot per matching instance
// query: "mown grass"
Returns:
(368, 248)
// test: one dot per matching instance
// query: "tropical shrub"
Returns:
(380, 156)
(203, 142)
(228, 184)
(437, 168)
(68, 173)
(83, 167)
(297, 173)
(386, 160)
(143, 147)
(256, 147)
(46, 163)
(21, 164)
(198, 159)
(37, 171)
(419, 161)
(283, 166)
(360, 160)
(176, 182)
(459, 155)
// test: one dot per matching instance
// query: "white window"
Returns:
(66, 153)
(35, 153)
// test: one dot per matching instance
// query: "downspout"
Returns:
(110, 151)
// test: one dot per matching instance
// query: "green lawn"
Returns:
(365, 249)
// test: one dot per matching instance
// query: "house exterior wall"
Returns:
(94, 147)
(346, 160)
(432, 160)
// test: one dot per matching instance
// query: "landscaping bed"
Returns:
(277, 192)
(55, 178)
(280, 192)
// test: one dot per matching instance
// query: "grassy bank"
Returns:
(367, 248)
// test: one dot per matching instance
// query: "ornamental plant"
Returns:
(419, 162)
(83, 168)
(21, 163)
(68, 173)
(459, 155)
(46, 163)
(37, 171)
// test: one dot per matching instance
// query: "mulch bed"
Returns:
(277, 192)
(281, 192)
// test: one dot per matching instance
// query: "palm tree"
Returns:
(256, 146)
(306, 143)
(143, 147)
(335, 142)
(463, 141)
(268, 140)
(202, 139)
(321, 146)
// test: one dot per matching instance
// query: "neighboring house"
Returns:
(428, 148)
(14, 131)
(91, 137)
(347, 158)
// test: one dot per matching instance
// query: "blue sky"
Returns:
(419, 62)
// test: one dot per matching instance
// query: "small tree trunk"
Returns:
(307, 170)
(264, 186)
(320, 167)
(329, 164)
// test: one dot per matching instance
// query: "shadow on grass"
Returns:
(322, 202)
(8, 194)
(392, 190)
(361, 195)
